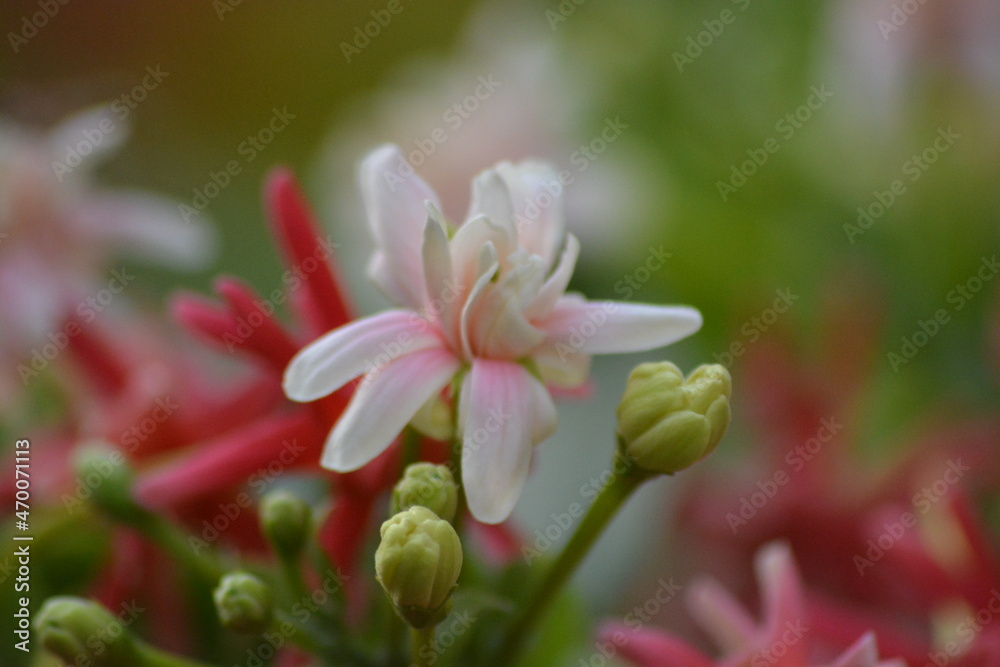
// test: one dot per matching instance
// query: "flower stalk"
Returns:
(626, 480)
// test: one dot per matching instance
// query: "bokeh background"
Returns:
(743, 140)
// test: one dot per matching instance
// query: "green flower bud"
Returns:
(286, 520)
(418, 563)
(243, 603)
(427, 485)
(105, 471)
(83, 632)
(667, 423)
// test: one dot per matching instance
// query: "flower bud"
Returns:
(83, 632)
(286, 520)
(243, 603)
(418, 563)
(105, 471)
(667, 423)
(427, 485)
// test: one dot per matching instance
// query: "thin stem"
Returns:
(422, 641)
(410, 448)
(607, 503)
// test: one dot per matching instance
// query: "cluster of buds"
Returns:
(420, 556)
(667, 423)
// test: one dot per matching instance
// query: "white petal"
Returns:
(537, 196)
(397, 213)
(85, 126)
(557, 283)
(561, 366)
(493, 322)
(441, 296)
(383, 404)
(491, 199)
(488, 265)
(504, 412)
(147, 227)
(343, 354)
(610, 327)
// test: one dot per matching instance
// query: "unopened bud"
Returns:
(667, 423)
(418, 563)
(243, 603)
(83, 632)
(105, 471)
(427, 485)
(286, 520)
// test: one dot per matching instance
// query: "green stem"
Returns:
(422, 640)
(173, 542)
(607, 503)
(456, 472)
(410, 448)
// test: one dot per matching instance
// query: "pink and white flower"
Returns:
(484, 302)
(785, 636)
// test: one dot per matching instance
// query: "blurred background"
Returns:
(820, 179)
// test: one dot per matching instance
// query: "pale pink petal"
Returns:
(648, 648)
(721, 616)
(503, 413)
(609, 327)
(493, 322)
(486, 268)
(781, 591)
(560, 365)
(864, 653)
(383, 404)
(343, 354)
(98, 128)
(536, 194)
(491, 199)
(555, 286)
(441, 292)
(397, 213)
(146, 227)
(466, 251)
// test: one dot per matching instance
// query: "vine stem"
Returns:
(600, 513)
